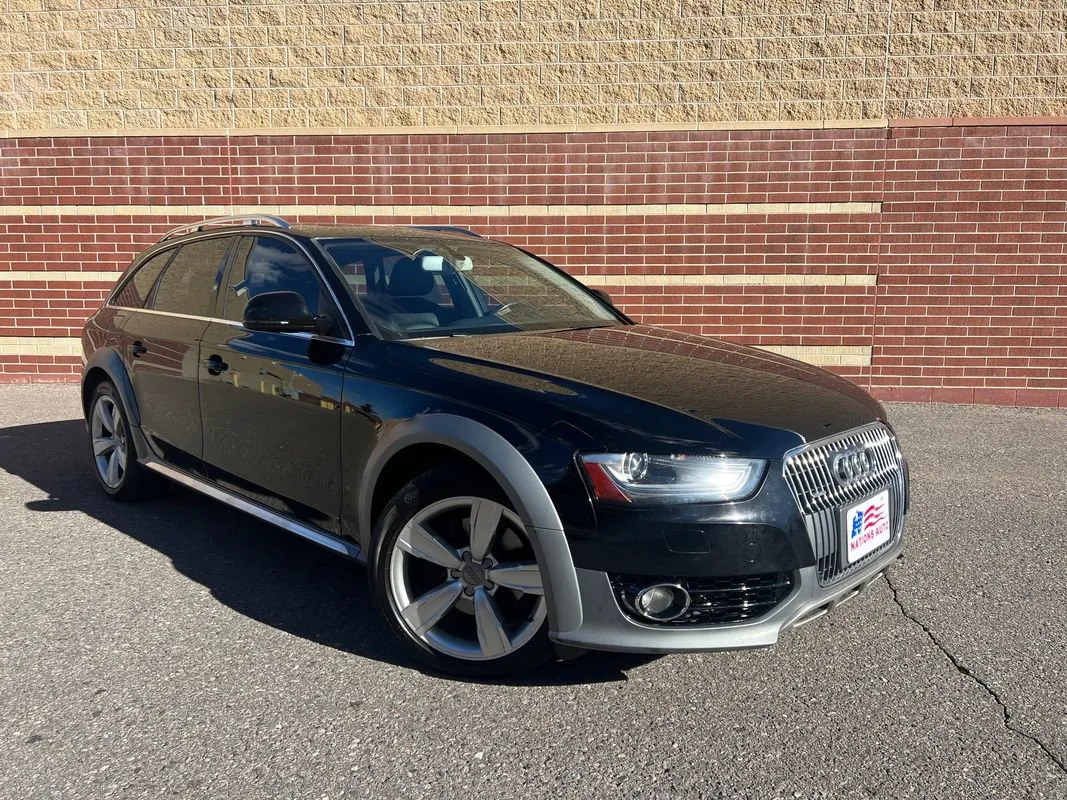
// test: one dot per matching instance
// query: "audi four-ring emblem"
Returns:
(851, 465)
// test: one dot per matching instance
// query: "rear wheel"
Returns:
(113, 456)
(456, 577)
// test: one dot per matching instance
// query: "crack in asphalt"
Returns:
(966, 671)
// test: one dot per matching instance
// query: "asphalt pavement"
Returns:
(179, 649)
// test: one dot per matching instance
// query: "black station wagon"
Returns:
(525, 471)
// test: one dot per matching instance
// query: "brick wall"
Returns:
(972, 296)
(109, 65)
(926, 261)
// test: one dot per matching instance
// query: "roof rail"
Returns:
(219, 222)
(448, 229)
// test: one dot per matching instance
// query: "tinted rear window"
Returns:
(191, 281)
(135, 291)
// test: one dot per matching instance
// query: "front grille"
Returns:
(715, 601)
(822, 498)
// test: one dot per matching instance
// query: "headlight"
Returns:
(642, 478)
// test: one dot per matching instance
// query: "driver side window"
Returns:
(275, 265)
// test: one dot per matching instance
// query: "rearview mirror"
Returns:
(284, 312)
(432, 263)
(435, 263)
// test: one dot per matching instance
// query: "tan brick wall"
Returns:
(101, 65)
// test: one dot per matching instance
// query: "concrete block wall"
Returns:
(107, 65)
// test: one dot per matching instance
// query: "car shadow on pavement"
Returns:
(257, 570)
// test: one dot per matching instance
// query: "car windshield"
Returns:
(420, 286)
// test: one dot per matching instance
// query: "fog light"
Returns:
(662, 602)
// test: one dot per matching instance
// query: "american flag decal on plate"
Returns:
(867, 526)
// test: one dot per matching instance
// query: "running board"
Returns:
(330, 542)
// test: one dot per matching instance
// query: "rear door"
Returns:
(161, 343)
(271, 402)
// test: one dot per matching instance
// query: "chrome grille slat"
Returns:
(803, 470)
(819, 459)
(821, 499)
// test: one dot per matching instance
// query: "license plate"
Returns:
(867, 526)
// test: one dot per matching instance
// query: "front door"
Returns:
(271, 402)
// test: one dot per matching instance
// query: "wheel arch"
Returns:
(498, 458)
(413, 460)
(472, 441)
(106, 364)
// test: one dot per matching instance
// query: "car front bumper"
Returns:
(602, 625)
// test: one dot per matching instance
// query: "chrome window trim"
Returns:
(319, 337)
(241, 232)
(161, 313)
(233, 323)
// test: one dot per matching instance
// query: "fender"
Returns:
(515, 476)
(108, 360)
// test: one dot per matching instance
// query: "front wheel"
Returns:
(455, 576)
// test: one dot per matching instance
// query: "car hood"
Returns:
(723, 385)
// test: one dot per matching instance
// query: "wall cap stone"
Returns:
(652, 127)
(456, 130)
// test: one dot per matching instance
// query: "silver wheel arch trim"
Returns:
(497, 456)
(110, 363)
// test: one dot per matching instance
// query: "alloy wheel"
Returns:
(464, 579)
(109, 442)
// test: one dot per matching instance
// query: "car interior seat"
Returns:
(409, 284)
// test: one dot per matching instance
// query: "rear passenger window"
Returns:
(135, 291)
(191, 281)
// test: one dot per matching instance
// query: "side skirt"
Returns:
(330, 542)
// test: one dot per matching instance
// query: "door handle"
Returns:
(137, 349)
(215, 365)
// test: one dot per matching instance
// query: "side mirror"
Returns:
(602, 295)
(284, 312)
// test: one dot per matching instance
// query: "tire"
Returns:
(471, 606)
(111, 450)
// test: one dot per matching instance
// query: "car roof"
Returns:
(247, 223)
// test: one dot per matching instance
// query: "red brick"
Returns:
(959, 395)
(996, 397)
(910, 394)
(1042, 398)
